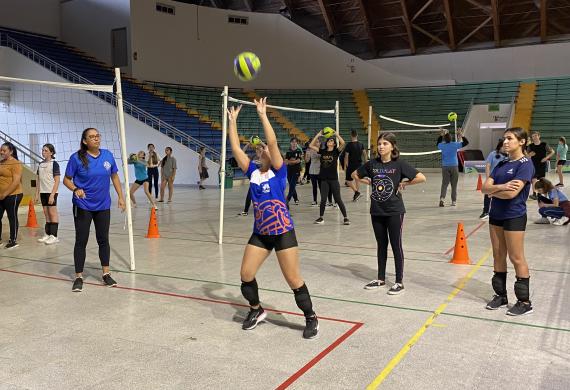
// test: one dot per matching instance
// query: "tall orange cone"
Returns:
(32, 220)
(479, 183)
(460, 253)
(152, 225)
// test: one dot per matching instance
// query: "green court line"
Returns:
(405, 308)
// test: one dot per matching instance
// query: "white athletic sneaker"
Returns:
(560, 221)
(51, 240)
(44, 238)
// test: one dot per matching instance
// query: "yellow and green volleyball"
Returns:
(255, 140)
(246, 66)
(328, 132)
(452, 116)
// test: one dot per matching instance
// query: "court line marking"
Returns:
(481, 224)
(406, 308)
(294, 377)
(429, 322)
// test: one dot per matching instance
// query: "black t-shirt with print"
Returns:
(329, 162)
(385, 200)
(354, 150)
(296, 154)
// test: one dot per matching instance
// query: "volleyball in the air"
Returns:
(246, 66)
(255, 140)
(452, 116)
(133, 157)
(328, 132)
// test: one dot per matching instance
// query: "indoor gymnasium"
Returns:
(331, 194)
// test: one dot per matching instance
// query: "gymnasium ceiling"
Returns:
(385, 28)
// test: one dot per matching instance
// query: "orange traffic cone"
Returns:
(460, 253)
(479, 183)
(32, 220)
(152, 225)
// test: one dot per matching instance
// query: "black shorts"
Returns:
(278, 242)
(349, 169)
(561, 162)
(539, 171)
(44, 198)
(141, 182)
(517, 224)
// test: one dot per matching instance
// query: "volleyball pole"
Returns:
(369, 145)
(223, 162)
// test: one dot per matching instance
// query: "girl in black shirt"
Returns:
(329, 174)
(385, 175)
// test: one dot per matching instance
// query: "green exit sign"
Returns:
(494, 108)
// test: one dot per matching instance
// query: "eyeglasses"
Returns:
(94, 136)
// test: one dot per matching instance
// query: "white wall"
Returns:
(197, 46)
(39, 16)
(65, 113)
(87, 24)
(485, 139)
(522, 62)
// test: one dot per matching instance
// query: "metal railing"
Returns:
(25, 154)
(129, 108)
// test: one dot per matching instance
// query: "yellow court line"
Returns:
(429, 322)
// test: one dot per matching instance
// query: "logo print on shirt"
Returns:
(107, 165)
(510, 171)
(265, 188)
(382, 188)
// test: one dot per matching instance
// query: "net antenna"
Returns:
(58, 112)
(227, 98)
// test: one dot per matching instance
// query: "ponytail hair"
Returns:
(544, 184)
(498, 148)
(51, 149)
(563, 140)
(12, 149)
(165, 157)
(82, 152)
(390, 137)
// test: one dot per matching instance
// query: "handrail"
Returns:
(134, 111)
(35, 159)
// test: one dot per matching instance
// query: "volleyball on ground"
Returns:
(246, 66)
(328, 132)
(255, 140)
(452, 116)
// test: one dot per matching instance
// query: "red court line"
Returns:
(467, 236)
(284, 385)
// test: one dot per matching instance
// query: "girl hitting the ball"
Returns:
(273, 227)
(141, 178)
(386, 175)
(329, 172)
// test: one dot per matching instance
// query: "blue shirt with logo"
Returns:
(449, 153)
(93, 180)
(507, 170)
(268, 195)
(493, 160)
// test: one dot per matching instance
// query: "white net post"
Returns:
(223, 162)
(123, 138)
(455, 124)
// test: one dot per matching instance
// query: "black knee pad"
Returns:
(303, 300)
(522, 289)
(499, 283)
(249, 291)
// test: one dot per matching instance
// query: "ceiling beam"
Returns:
(449, 24)
(327, 17)
(543, 20)
(427, 4)
(496, 22)
(475, 30)
(484, 7)
(249, 5)
(408, 25)
(373, 44)
(435, 38)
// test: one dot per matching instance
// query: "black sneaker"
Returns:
(311, 328)
(520, 309)
(497, 302)
(374, 284)
(77, 285)
(346, 221)
(484, 215)
(396, 289)
(533, 197)
(12, 245)
(356, 196)
(319, 221)
(254, 317)
(109, 281)
(441, 203)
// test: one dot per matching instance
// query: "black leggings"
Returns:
(247, 201)
(385, 227)
(316, 182)
(11, 204)
(292, 178)
(82, 219)
(334, 187)
(153, 175)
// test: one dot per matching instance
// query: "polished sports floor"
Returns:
(175, 323)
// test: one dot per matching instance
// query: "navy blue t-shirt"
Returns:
(507, 170)
(268, 195)
(93, 180)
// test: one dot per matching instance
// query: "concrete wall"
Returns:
(59, 116)
(522, 62)
(39, 16)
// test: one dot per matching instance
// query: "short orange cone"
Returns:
(460, 253)
(479, 183)
(32, 220)
(152, 225)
